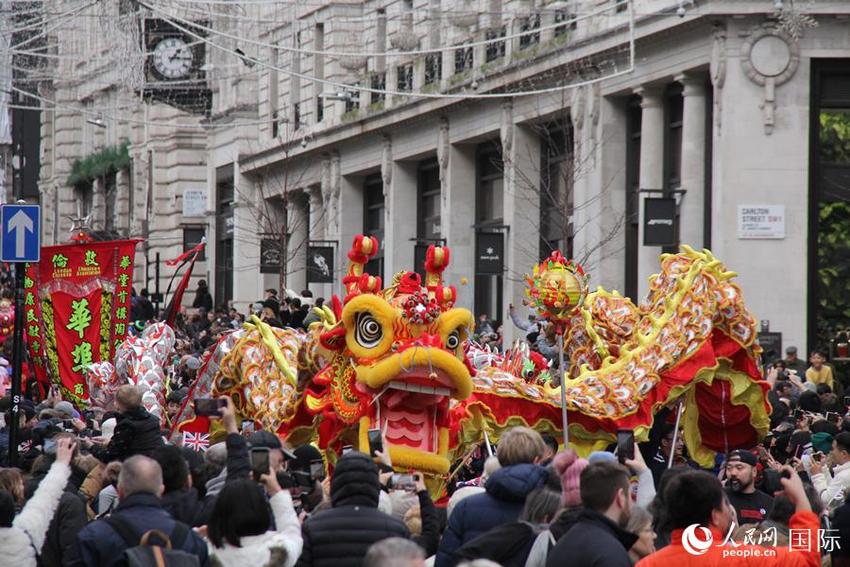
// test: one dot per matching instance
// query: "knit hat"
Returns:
(568, 465)
(822, 442)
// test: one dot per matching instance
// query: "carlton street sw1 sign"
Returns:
(761, 222)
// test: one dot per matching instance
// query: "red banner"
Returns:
(77, 309)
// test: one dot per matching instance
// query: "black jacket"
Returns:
(508, 544)
(185, 506)
(341, 536)
(593, 540)
(136, 433)
(501, 504)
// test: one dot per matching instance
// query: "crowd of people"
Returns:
(94, 488)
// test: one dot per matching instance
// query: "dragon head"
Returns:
(399, 359)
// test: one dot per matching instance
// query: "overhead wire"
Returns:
(173, 20)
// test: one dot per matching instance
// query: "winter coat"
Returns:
(501, 503)
(60, 543)
(750, 555)
(279, 548)
(508, 545)
(136, 433)
(185, 506)
(341, 536)
(593, 540)
(25, 539)
(833, 488)
(101, 546)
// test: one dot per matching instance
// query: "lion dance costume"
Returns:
(399, 358)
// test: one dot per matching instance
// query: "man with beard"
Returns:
(752, 505)
(699, 513)
(599, 537)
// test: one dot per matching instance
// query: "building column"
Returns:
(457, 209)
(691, 210)
(401, 220)
(122, 201)
(98, 204)
(522, 215)
(349, 221)
(651, 174)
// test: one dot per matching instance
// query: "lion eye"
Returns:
(453, 340)
(368, 331)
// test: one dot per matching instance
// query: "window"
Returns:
(429, 226)
(561, 18)
(463, 59)
(528, 24)
(373, 219)
(489, 212)
(634, 116)
(110, 191)
(275, 124)
(378, 81)
(405, 78)
(495, 49)
(673, 138)
(296, 116)
(192, 236)
(829, 201)
(83, 196)
(320, 109)
(224, 235)
(433, 68)
(556, 190)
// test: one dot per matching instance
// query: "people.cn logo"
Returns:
(694, 544)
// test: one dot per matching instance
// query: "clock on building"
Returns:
(172, 58)
(174, 66)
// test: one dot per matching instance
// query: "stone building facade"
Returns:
(727, 110)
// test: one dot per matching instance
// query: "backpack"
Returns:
(141, 553)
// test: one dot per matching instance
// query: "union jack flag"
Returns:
(196, 441)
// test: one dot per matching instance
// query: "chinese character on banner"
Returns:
(74, 296)
(830, 540)
(799, 539)
(730, 541)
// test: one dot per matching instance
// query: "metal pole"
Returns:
(563, 391)
(17, 362)
(156, 275)
(675, 435)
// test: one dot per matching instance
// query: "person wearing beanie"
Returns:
(833, 487)
(341, 536)
(519, 451)
(752, 505)
(822, 442)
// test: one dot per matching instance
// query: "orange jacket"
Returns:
(728, 556)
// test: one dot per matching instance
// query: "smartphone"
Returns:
(247, 426)
(625, 445)
(347, 449)
(260, 461)
(402, 482)
(376, 443)
(317, 469)
(209, 406)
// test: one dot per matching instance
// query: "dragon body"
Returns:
(399, 358)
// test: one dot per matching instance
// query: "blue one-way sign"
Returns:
(20, 233)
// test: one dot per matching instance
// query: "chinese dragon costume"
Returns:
(400, 358)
